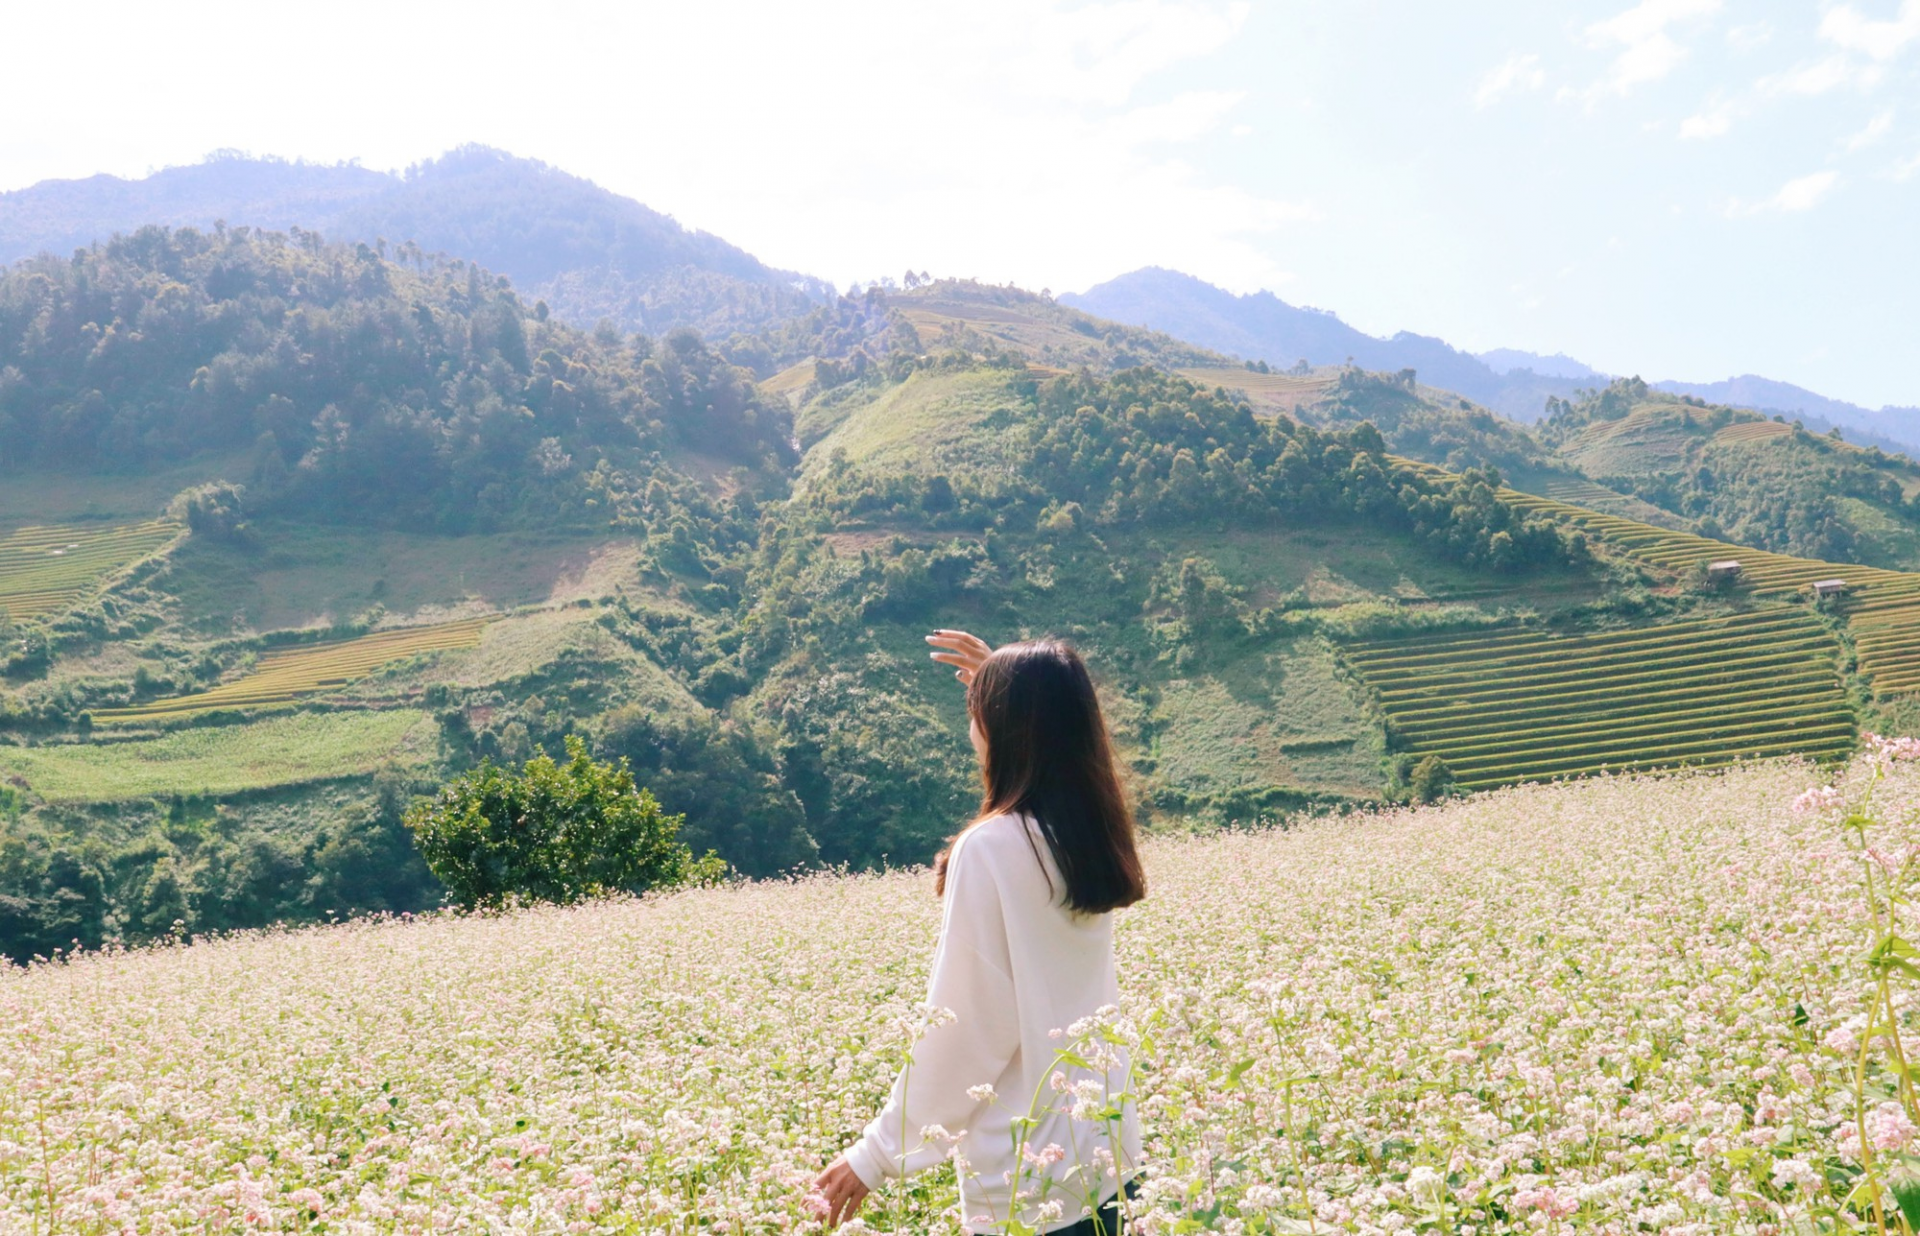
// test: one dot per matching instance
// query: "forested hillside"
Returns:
(422, 392)
(293, 530)
(590, 253)
(1743, 477)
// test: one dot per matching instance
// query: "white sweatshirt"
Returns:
(1015, 968)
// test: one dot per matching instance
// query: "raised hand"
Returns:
(962, 651)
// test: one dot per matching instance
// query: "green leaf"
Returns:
(1905, 1187)
(1894, 953)
(1239, 1070)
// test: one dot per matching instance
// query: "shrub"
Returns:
(553, 832)
(1431, 779)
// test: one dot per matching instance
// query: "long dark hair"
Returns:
(1048, 756)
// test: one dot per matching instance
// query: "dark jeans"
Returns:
(1104, 1222)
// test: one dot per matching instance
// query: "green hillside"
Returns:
(419, 524)
(1740, 477)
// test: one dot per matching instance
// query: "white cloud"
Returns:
(1805, 192)
(1906, 169)
(1875, 129)
(1711, 121)
(1648, 53)
(1865, 48)
(1802, 193)
(1744, 39)
(1847, 28)
(1820, 76)
(1519, 72)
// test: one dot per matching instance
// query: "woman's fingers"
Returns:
(959, 648)
(960, 640)
(840, 1192)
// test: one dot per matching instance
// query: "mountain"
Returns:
(591, 254)
(1559, 365)
(1261, 326)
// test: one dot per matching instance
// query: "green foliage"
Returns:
(187, 865)
(1146, 447)
(1430, 779)
(554, 832)
(422, 394)
(1455, 434)
(735, 798)
(1741, 478)
(216, 511)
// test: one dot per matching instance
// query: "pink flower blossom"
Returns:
(1817, 799)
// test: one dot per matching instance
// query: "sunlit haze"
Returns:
(1683, 189)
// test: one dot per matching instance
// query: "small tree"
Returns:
(553, 832)
(1431, 780)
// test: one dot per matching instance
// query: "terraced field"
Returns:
(1271, 391)
(1886, 636)
(1882, 607)
(1522, 704)
(285, 675)
(1586, 493)
(1599, 498)
(48, 569)
(1754, 431)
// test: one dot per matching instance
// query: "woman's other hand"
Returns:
(840, 1192)
(962, 651)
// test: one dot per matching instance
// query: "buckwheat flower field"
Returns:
(1615, 1006)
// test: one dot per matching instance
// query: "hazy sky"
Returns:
(1680, 188)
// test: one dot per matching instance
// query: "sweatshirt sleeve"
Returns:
(971, 980)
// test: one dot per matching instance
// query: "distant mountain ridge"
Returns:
(1559, 365)
(1261, 326)
(590, 253)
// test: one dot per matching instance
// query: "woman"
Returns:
(1025, 953)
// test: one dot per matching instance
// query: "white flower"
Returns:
(1427, 1186)
(1794, 1173)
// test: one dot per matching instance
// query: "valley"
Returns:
(243, 638)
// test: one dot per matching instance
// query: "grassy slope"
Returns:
(961, 314)
(51, 497)
(303, 575)
(932, 422)
(291, 750)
